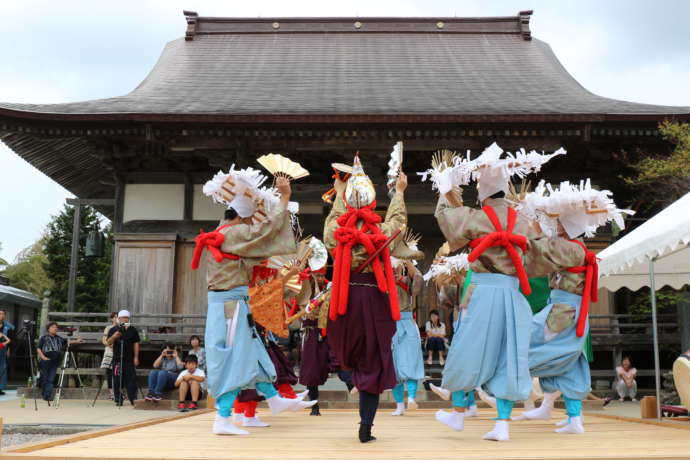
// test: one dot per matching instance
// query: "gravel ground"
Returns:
(9, 440)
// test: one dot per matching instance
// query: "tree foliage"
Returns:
(93, 276)
(3, 262)
(28, 270)
(665, 176)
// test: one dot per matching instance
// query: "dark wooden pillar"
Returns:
(74, 258)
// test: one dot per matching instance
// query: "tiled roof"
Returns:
(355, 66)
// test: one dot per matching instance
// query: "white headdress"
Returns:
(359, 191)
(447, 266)
(579, 208)
(491, 170)
(242, 190)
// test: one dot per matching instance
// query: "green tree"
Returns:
(93, 276)
(664, 177)
(28, 270)
(3, 262)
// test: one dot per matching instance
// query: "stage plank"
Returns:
(333, 436)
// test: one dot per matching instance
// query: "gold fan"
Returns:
(278, 165)
(411, 238)
(517, 192)
(443, 159)
(284, 263)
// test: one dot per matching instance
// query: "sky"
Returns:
(74, 50)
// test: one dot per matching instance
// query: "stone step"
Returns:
(164, 404)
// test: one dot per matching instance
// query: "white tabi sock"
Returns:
(399, 409)
(441, 392)
(575, 425)
(412, 404)
(254, 422)
(484, 396)
(542, 412)
(453, 419)
(500, 432)
(223, 426)
(471, 411)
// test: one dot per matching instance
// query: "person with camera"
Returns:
(191, 382)
(50, 348)
(6, 330)
(124, 338)
(164, 374)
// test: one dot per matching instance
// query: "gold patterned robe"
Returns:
(253, 243)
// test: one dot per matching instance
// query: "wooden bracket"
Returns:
(524, 17)
(191, 17)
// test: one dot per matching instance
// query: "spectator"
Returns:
(107, 361)
(192, 383)
(124, 340)
(5, 338)
(435, 337)
(198, 351)
(164, 374)
(50, 347)
(626, 386)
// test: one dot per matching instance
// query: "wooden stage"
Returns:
(416, 435)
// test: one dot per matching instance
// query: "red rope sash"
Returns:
(371, 237)
(505, 238)
(591, 289)
(211, 241)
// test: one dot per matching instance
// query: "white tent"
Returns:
(657, 253)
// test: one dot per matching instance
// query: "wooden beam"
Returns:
(91, 201)
(74, 258)
(188, 209)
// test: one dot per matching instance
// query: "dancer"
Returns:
(491, 350)
(559, 331)
(407, 349)
(364, 304)
(316, 358)
(236, 357)
(452, 278)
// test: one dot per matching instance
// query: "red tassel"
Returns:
(371, 237)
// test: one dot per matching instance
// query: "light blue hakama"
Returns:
(560, 363)
(492, 344)
(243, 364)
(407, 349)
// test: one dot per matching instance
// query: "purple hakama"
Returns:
(316, 361)
(284, 371)
(362, 338)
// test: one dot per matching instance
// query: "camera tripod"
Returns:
(117, 373)
(33, 365)
(66, 359)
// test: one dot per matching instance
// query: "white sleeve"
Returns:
(181, 374)
(200, 373)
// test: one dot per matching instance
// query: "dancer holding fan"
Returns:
(364, 304)
(237, 358)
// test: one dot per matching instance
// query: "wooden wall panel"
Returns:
(190, 285)
(143, 274)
